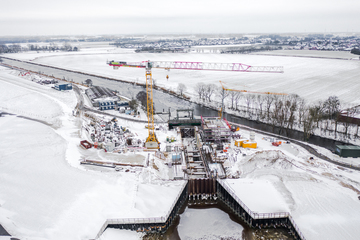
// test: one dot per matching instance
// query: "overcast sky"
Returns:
(64, 17)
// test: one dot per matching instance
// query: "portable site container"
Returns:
(249, 144)
(63, 86)
(239, 143)
(348, 151)
(123, 104)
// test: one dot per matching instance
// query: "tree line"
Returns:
(16, 48)
(286, 113)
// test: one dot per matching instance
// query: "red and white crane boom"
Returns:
(234, 67)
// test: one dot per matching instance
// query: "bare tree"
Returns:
(269, 99)
(15, 48)
(332, 107)
(237, 99)
(316, 112)
(88, 82)
(142, 98)
(278, 115)
(67, 47)
(133, 104)
(332, 110)
(232, 95)
(291, 106)
(308, 123)
(199, 88)
(260, 100)
(222, 94)
(301, 110)
(181, 88)
(249, 98)
(209, 90)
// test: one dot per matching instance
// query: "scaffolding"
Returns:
(215, 131)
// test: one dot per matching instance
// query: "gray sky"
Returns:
(47, 17)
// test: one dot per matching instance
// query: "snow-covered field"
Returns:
(46, 194)
(311, 78)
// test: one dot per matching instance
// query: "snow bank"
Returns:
(258, 195)
(210, 224)
(321, 197)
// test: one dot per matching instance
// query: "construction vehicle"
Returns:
(152, 142)
(276, 144)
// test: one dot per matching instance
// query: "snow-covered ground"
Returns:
(208, 224)
(321, 197)
(46, 194)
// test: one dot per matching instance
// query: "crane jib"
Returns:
(234, 67)
(126, 65)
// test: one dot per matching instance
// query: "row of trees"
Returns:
(205, 91)
(286, 113)
(15, 48)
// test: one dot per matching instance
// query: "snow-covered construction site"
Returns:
(79, 162)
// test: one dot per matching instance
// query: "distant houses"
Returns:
(351, 116)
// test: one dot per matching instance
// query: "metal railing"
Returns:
(162, 219)
(256, 215)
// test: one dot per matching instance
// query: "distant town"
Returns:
(308, 42)
(237, 44)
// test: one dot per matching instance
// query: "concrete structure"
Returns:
(215, 130)
(184, 119)
(209, 191)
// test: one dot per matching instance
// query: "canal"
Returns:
(164, 101)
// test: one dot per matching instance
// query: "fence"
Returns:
(283, 217)
(158, 222)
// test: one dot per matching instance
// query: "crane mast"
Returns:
(151, 141)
